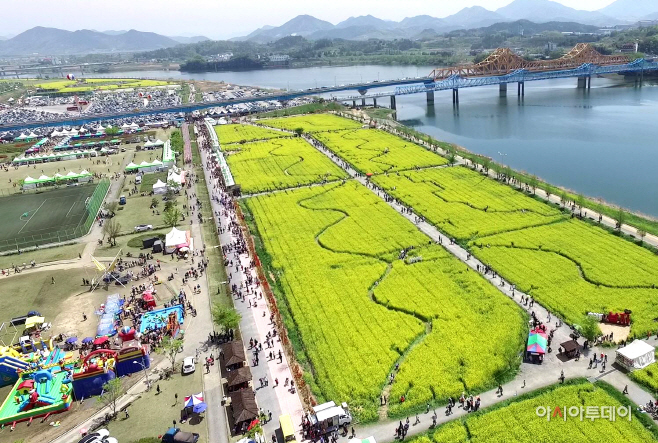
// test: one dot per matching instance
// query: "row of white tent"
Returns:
(32, 135)
(57, 177)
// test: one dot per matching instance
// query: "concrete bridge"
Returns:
(502, 68)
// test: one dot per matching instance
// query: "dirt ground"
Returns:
(619, 332)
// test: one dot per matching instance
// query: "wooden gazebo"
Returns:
(238, 379)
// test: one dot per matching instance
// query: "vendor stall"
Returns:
(536, 347)
(637, 355)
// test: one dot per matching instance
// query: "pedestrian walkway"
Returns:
(255, 322)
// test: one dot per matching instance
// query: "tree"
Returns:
(533, 183)
(111, 393)
(113, 130)
(112, 229)
(299, 131)
(452, 158)
(171, 217)
(564, 198)
(590, 328)
(226, 318)
(112, 207)
(171, 347)
(580, 202)
(550, 190)
(155, 202)
(486, 164)
(641, 233)
(620, 218)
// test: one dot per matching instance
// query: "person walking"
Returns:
(157, 390)
(126, 412)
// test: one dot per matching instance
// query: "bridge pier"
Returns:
(582, 82)
(521, 89)
(455, 96)
(430, 98)
(502, 89)
(393, 105)
(363, 102)
(374, 102)
(354, 103)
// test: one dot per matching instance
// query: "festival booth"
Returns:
(536, 348)
(176, 240)
(637, 355)
(159, 187)
(570, 348)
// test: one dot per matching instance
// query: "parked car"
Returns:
(100, 436)
(175, 435)
(188, 365)
(142, 228)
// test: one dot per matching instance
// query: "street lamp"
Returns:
(148, 382)
(501, 157)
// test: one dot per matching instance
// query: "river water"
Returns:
(603, 144)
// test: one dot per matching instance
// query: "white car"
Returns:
(142, 228)
(188, 365)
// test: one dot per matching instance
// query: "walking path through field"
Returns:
(587, 213)
(530, 376)
(255, 322)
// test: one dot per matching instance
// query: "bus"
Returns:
(287, 428)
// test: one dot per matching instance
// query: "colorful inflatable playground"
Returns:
(46, 378)
(171, 318)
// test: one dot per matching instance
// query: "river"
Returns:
(603, 144)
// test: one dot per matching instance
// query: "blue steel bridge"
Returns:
(502, 68)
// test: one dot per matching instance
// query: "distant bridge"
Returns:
(500, 68)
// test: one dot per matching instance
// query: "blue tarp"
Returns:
(107, 322)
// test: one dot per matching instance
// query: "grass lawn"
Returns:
(34, 291)
(95, 165)
(127, 243)
(65, 252)
(137, 211)
(151, 414)
(148, 180)
(31, 219)
(147, 156)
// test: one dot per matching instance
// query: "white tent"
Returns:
(134, 126)
(71, 174)
(173, 177)
(21, 137)
(44, 177)
(159, 187)
(177, 239)
(32, 135)
(56, 133)
(637, 355)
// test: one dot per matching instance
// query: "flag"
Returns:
(114, 262)
(98, 264)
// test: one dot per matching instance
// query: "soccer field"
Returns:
(35, 219)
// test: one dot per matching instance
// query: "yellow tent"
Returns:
(33, 321)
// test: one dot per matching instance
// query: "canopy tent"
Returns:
(195, 402)
(177, 239)
(537, 342)
(159, 187)
(131, 166)
(56, 133)
(149, 144)
(637, 355)
(158, 142)
(176, 178)
(133, 126)
(21, 137)
(125, 126)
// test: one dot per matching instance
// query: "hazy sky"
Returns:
(221, 18)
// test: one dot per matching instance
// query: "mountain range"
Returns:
(52, 41)
(540, 11)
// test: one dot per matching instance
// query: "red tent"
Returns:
(148, 298)
(101, 340)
